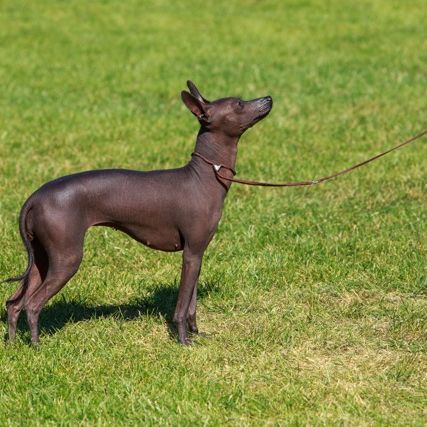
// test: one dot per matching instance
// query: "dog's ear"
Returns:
(196, 106)
(195, 92)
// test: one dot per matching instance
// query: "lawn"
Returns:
(314, 300)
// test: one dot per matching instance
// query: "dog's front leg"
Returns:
(191, 315)
(191, 263)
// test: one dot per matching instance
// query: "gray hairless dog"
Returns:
(169, 210)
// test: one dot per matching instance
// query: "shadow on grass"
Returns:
(160, 302)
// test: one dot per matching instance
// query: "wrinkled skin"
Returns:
(169, 210)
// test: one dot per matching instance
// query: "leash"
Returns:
(217, 169)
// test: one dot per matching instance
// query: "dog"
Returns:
(168, 210)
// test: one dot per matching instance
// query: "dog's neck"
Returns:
(219, 148)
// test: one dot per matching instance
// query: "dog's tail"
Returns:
(24, 235)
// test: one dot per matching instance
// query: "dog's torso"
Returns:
(170, 207)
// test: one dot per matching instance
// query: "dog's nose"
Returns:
(269, 101)
(264, 104)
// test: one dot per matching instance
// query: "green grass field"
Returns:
(314, 300)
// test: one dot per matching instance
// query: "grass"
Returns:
(314, 300)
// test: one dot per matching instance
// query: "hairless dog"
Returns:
(169, 210)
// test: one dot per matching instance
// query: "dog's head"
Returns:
(231, 116)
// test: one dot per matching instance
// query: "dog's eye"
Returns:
(240, 103)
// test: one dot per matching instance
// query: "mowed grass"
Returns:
(314, 300)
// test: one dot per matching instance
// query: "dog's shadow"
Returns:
(160, 302)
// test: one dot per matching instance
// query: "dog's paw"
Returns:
(187, 342)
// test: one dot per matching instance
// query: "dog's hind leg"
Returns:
(29, 284)
(61, 268)
(16, 302)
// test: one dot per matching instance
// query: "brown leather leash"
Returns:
(217, 168)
